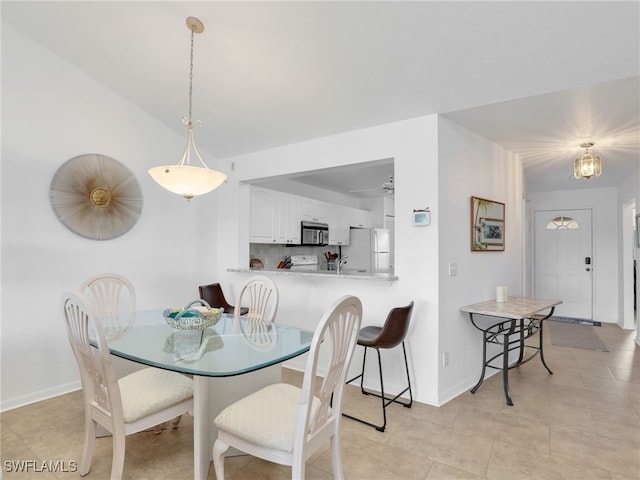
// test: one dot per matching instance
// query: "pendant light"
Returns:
(588, 165)
(183, 178)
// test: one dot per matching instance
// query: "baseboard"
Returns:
(39, 396)
(297, 365)
(463, 387)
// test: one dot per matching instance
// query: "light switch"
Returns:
(453, 269)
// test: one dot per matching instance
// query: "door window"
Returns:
(562, 223)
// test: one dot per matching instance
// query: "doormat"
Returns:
(575, 335)
(581, 321)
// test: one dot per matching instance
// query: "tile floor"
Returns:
(583, 422)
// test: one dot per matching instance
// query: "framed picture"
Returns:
(491, 231)
(638, 230)
(487, 225)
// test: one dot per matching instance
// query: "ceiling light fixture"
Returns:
(588, 165)
(183, 178)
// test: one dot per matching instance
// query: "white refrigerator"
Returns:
(369, 251)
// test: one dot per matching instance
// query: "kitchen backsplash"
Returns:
(271, 255)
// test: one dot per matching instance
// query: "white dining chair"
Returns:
(261, 296)
(136, 402)
(285, 424)
(114, 299)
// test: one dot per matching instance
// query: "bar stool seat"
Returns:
(390, 335)
(214, 296)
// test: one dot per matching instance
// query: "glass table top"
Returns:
(230, 347)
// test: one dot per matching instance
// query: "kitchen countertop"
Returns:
(351, 275)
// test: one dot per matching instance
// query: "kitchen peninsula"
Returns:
(346, 274)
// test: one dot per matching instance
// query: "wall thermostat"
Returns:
(422, 218)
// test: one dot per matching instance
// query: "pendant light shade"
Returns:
(588, 165)
(187, 181)
(183, 178)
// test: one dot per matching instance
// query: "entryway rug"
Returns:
(575, 335)
(581, 321)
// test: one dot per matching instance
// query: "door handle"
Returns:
(588, 269)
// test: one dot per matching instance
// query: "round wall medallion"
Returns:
(96, 196)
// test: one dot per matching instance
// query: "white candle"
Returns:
(501, 294)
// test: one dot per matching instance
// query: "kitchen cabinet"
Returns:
(360, 218)
(313, 210)
(280, 219)
(289, 219)
(275, 217)
(262, 215)
(338, 225)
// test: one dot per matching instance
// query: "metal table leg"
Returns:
(505, 362)
(484, 361)
(541, 341)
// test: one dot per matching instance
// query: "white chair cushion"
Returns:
(150, 390)
(267, 417)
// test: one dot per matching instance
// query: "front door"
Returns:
(563, 263)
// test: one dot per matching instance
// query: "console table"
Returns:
(509, 324)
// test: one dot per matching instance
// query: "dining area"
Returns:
(544, 433)
(217, 373)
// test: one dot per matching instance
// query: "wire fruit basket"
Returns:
(193, 317)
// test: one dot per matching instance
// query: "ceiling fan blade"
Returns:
(364, 190)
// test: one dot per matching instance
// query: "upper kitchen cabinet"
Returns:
(263, 211)
(338, 225)
(275, 217)
(313, 210)
(290, 218)
(360, 218)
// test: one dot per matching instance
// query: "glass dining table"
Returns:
(228, 361)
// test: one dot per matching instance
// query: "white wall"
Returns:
(413, 145)
(439, 165)
(606, 234)
(52, 112)
(470, 165)
(629, 194)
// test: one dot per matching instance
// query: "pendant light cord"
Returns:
(183, 178)
(193, 28)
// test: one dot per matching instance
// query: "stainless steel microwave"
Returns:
(314, 234)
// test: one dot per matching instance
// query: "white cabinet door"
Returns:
(275, 217)
(313, 210)
(322, 214)
(338, 220)
(360, 218)
(287, 219)
(280, 218)
(307, 209)
(262, 221)
(293, 220)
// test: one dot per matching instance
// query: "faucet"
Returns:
(341, 262)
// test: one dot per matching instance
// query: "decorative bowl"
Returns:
(193, 318)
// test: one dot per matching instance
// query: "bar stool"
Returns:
(214, 296)
(390, 335)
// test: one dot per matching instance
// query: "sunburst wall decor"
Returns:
(96, 196)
